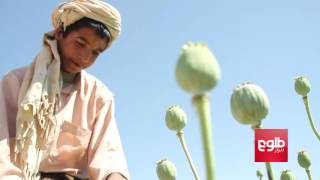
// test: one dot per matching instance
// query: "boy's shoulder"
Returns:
(101, 89)
(17, 74)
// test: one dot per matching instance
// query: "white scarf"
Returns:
(38, 101)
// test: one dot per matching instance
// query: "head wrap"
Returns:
(70, 12)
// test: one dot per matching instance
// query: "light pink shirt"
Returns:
(88, 144)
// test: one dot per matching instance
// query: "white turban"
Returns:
(69, 12)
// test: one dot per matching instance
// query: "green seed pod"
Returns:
(176, 118)
(166, 170)
(287, 175)
(304, 159)
(249, 104)
(259, 173)
(197, 70)
(302, 86)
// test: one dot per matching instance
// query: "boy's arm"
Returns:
(9, 86)
(105, 153)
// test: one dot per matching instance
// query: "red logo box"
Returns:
(271, 145)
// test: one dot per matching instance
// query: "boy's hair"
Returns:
(100, 28)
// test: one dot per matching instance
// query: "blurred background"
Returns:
(266, 42)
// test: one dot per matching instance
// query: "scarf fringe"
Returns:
(39, 100)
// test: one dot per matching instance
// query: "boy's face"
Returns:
(79, 49)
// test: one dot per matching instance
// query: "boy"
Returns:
(57, 121)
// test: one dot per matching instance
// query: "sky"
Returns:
(265, 42)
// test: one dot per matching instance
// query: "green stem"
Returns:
(309, 174)
(187, 153)
(202, 104)
(307, 105)
(260, 178)
(269, 171)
